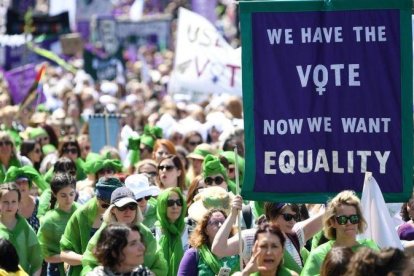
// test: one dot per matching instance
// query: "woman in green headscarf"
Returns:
(8, 155)
(24, 177)
(215, 174)
(171, 231)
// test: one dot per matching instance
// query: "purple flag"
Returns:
(20, 80)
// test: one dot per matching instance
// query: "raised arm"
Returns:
(312, 225)
(223, 246)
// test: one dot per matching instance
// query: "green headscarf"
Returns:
(212, 166)
(150, 135)
(95, 163)
(29, 172)
(170, 241)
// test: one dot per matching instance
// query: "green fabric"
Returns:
(44, 203)
(49, 148)
(150, 135)
(37, 132)
(231, 186)
(213, 166)
(258, 208)
(150, 216)
(13, 162)
(52, 227)
(78, 230)
(231, 157)
(209, 264)
(317, 256)
(93, 165)
(80, 171)
(133, 157)
(25, 241)
(133, 143)
(153, 258)
(170, 241)
(28, 171)
(14, 135)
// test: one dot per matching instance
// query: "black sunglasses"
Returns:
(131, 207)
(167, 167)
(209, 180)
(171, 202)
(145, 197)
(71, 150)
(342, 220)
(5, 143)
(289, 217)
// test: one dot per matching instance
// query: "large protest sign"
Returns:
(151, 31)
(204, 61)
(103, 67)
(327, 91)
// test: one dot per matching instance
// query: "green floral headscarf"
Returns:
(170, 241)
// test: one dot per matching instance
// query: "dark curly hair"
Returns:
(199, 236)
(111, 242)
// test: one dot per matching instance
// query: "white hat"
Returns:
(139, 185)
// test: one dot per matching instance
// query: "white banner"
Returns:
(204, 61)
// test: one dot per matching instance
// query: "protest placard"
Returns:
(204, 61)
(327, 90)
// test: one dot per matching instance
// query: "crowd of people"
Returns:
(164, 200)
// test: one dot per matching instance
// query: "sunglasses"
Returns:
(167, 167)
(217, 223)
(5, 143)
(36, 150)
(209, 180)
(70, 150)
(105, 205)
(289, 217)
(342, 220)
(145, 197)
(131, 207)
(171, 202)
(194, 143)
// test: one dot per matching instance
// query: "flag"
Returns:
(34, 91)
(380, 224)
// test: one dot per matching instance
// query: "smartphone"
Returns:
(224, 271)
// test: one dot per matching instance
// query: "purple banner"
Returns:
(326, 109)
(20, 81)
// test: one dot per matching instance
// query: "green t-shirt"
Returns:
(317, 256)
(52, 227)
(78, 231)
(283, 271)
(24, 239)
(153, 258)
